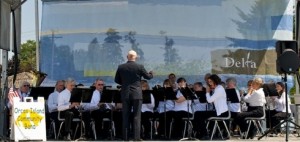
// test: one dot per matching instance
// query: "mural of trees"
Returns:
(257, 24)
(135, 46)
(94, 49)
(171, 56)
(63, 59)
(112, 50)
(47, 53)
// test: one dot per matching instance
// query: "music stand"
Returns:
(164, 94)
(109, 96)
(189, 95)
(231, 96)
(36, 92)
(82, 95)
(270, 91)
(146, 96)
(202, 96)
(202, 99)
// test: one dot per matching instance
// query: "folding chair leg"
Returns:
(59, 129)
(219, 130)
(228, 133)
(94, 129)
(214, 130)
(151, 130)
(54, 128)
(260, 128)
(170, 132)
(249, 125)
(184, 129)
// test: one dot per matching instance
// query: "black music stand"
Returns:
(82, 95)
(189, 95)
(202, 99)
(36, 92)
(146, 96)
(287, 119)
(231, 96)
(202, 96)
(109, 96)
(164, 94)
(270, 91)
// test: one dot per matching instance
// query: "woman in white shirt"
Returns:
(280, 106)
(215, 93)
(256, 99)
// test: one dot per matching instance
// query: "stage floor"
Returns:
(291, 138)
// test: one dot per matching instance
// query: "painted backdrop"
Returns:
(89, 38)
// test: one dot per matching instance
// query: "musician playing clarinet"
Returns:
(215, 93)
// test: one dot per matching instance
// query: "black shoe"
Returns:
(252, 133)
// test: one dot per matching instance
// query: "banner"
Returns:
(89, 39)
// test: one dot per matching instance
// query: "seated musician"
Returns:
(200, 113)
(165, 110)
(280, 107)
(215, 93)
(99, 110)
(68, 109)
(256, 99)
(181, 110)
(147, 112)
(22, 92)
(52, 102)
(244, 105)
(234, 107)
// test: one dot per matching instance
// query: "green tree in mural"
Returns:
(63, 59)
(93, 48)
(47, 53)
(171, 56)
(135, 46)
(112, 49)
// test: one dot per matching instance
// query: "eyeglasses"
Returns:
(100, 84)
(26, 85)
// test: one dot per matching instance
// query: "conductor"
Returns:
(129, 76)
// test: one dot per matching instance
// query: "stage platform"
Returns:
(291, 138)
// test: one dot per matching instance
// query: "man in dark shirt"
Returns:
(129, 76)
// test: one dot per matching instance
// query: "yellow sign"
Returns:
(29, 121)
(29, 118)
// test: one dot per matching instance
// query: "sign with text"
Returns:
(242, 61)
(29, 120)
